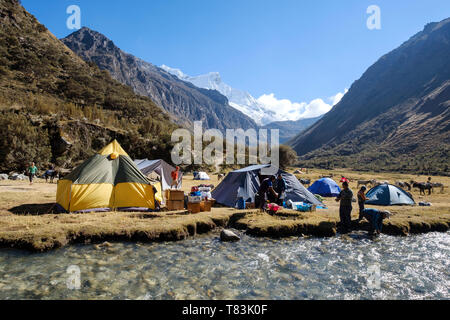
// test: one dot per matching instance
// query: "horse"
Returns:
(438, 185)
(403, 185)
(422, 186)
(366, 182)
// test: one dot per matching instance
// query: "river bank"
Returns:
(27, 221)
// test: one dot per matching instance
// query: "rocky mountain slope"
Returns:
(55, 107)
(396, 117)
(180, 98)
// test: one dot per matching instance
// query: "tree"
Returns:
(288, 156)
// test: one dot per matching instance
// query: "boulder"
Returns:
(3, 176)
(228, 235)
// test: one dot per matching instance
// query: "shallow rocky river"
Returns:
(415, 267)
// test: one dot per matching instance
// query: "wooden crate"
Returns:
(194, 207)
(175, 205)
(205, 206)
(175, 195)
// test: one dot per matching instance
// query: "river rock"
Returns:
(228, 235)
(16, 176)
(105, 244)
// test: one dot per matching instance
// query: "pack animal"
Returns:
(422, 186)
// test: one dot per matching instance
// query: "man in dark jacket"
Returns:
(265, 188)
(280, 188)
(345, 210)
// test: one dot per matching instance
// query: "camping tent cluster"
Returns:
(110, 180)
(107, 181)
(247, 181)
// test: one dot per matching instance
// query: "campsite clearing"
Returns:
(27, 221)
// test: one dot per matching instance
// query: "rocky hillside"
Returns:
(182, 99)
(396, 117)
(55, 107)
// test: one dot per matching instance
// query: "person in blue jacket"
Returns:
(375, 218)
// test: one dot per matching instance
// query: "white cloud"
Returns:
(288, 110)
(338, 97)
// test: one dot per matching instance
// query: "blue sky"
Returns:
(296, 49)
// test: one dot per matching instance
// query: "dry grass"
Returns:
(27, 220)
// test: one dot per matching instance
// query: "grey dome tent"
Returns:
(248, 180)
(161, 168)
(388, 195)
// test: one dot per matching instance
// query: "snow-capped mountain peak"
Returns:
(267, 108)
(238, 99)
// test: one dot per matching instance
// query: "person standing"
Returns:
(265, 188)
(32, 171)
(345, 209)
(280, 188)
(361, 200)
(175, 177)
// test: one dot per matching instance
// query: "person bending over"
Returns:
(375, 218)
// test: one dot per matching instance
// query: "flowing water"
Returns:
(415, 267)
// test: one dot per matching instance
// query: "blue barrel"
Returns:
(241, 204)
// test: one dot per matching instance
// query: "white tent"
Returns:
(162, 169)
(202, 176)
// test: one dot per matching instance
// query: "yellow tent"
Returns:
(109, 180)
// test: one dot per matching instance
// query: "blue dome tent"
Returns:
(325, 187)
(388, 195)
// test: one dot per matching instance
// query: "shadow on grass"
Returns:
(34, 209)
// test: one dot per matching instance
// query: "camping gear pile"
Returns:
(175, 200)
(200, 199)
(273, 208)
(301, 206)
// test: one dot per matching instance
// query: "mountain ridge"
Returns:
(56, 108)
(180, 98)
(400, 101)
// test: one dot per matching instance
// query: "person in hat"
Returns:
(375, 218)
(361, 200)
